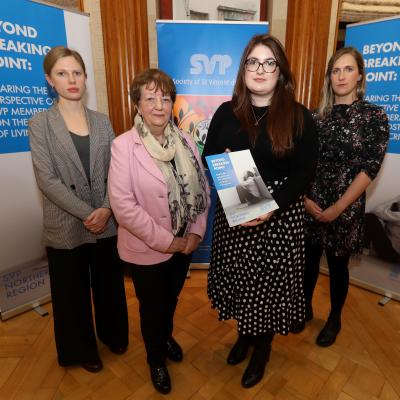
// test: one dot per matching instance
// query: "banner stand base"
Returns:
(384, 300)
(41, 311)
(25, 307)
(199, 266)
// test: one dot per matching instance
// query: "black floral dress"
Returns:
(352, 139)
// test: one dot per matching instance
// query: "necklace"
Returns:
(257, 120)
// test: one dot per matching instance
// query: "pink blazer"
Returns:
(139, 199)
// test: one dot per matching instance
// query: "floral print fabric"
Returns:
(352, 139)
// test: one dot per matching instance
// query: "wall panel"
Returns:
(307, 34)
(125, 35)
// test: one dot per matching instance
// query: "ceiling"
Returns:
(362, 10)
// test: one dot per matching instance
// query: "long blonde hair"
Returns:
(327, 95)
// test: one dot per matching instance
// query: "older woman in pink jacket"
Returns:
(160, 198)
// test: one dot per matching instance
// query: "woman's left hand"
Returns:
(329, 214)
(193, 242)
(96, 222)
(259, 220)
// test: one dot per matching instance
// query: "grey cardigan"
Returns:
(68, 197)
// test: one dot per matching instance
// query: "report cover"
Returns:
(243, 194)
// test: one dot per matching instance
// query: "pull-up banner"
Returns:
(379, 43)
(202, 58)
(28, 30)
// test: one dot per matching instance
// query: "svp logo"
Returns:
(201, 63)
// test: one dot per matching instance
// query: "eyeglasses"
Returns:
(269, 66)
(151, 101)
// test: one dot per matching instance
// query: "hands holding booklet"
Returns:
(244, 196)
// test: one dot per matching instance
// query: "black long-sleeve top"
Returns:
(298, 166)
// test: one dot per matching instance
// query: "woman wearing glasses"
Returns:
(256, 269)
(159, 196)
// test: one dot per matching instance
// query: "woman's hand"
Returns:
(193, 242)
(96, 222)
(329, 214)
(178, 245)
(312, 208)
(260, 220)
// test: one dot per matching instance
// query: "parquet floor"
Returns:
(364, 363)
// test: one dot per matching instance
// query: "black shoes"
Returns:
(298, 327)
(239, 350)
(94, 366)
(328, 334)
(160, 378)
(159, 374)
(255, 370)
(174, 350)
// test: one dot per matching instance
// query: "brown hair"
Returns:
(327, 95)
(152, 78)
(286, 117)
(59, 52)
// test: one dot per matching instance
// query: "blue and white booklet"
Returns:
(243, 194)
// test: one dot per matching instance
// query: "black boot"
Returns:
(298, 327)
(328, 334)
(255, 370)
(174, 350)
(160, 378)
(239, 350)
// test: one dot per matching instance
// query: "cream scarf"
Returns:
(186, 183)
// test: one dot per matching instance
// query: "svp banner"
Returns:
(28, 30)
(202, 58)
(379, 43)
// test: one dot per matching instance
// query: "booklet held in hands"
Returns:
(243, 194)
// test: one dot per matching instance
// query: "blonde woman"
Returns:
(71, 150)
(353, 135)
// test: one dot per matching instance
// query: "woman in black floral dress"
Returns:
(353, 136)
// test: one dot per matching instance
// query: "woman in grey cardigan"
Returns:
(70, 147)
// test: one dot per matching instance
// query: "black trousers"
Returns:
(76, 275)
(338, 276)
(157, 289)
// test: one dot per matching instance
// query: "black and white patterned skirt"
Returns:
(256, 273)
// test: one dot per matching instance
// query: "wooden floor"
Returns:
(364, 363)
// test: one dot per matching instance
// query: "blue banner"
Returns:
(379, 43)
(203, 59)
(27, 32)
(206, 56)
